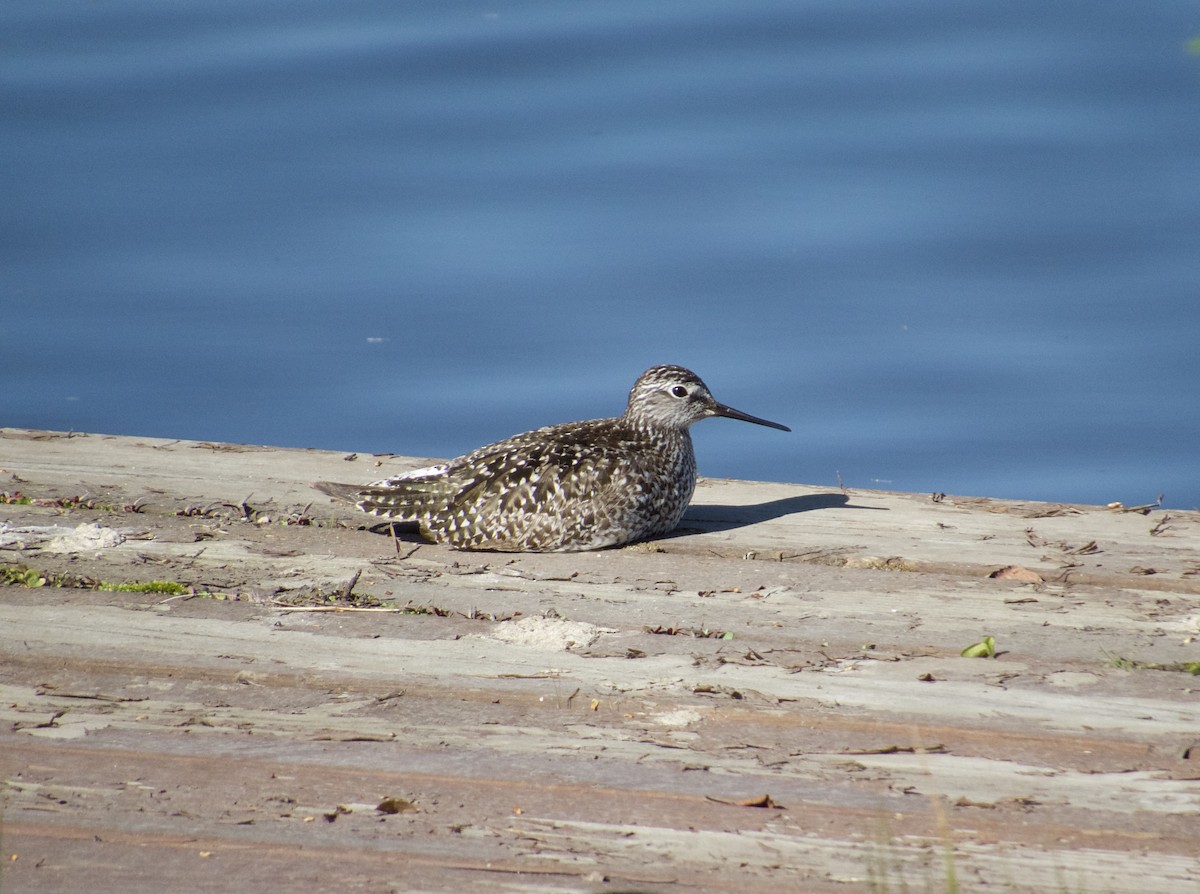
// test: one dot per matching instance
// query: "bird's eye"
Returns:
(679, 391)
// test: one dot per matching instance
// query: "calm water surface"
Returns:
(956, 247)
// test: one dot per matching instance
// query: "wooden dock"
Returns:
(213, 679)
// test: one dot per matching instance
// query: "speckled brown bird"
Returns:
(575, 486)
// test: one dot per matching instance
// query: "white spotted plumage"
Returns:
(575, 486)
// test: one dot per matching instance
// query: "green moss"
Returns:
(32, 577)
(168, 587)
(1179, 667)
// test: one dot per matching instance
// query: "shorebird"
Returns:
(575, 486)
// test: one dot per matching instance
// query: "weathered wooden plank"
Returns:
(551, 721)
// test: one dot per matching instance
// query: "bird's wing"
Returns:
(558, 483)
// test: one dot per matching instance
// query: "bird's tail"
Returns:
(345, 492)
(396, 498)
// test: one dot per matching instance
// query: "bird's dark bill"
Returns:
(731, 413)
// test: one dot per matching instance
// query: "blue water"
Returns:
(956, 247)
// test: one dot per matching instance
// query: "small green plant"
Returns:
(16, 574)
(985, 648)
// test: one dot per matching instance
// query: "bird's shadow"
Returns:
(401, 532)
(708, 518)
(704, 518)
